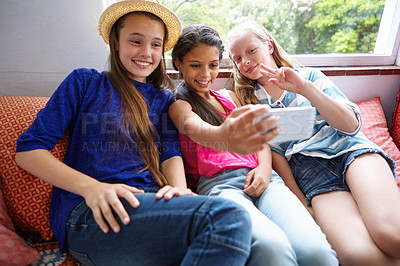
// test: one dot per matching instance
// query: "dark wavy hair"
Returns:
(191, 37)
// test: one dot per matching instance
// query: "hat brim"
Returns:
(119, 9)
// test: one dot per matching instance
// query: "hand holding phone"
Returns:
(296, 122)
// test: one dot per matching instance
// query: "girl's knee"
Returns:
(226, 222)
(364, 255)
(317, 255)
(228, 214)
(227, 211)
(387, 238)
(271, 251)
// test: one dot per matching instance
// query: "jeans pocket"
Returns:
(294, 163)
(81, 257)
(295, 159)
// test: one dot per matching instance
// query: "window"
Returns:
(315, 32)
(385, 45)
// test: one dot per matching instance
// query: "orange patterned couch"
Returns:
(27, 198)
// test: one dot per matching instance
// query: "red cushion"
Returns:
(395, 128)
(27, 197)
(374, 127)
(13, 249)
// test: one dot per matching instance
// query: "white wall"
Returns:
(43, 41)
(358, 88)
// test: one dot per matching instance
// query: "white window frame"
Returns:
(386, 48)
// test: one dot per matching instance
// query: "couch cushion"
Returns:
(374, 127)
(14, 250)
(26, 196)
(395, 127)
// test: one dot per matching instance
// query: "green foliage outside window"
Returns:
(300, 26)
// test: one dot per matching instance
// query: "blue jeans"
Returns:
(186, 230)
(284, 233)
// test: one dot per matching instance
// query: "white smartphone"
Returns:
(296, 122)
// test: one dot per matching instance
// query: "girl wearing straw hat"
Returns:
(107, 207)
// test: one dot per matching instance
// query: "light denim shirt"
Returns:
(326, 141)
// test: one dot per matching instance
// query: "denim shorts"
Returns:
(316, 175)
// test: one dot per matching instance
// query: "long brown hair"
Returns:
(134, 111)
(244, 87)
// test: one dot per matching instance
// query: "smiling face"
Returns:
(248, 52)
(140, 45)
(200, 67)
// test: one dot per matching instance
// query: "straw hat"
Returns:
(119, 9)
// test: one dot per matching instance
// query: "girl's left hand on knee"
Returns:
(256, 182)
(169, 192)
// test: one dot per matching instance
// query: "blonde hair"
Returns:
(244, 87)
(134, 108)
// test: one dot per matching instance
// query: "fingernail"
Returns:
(126, 220)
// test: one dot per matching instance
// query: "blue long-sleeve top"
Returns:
(88, 107)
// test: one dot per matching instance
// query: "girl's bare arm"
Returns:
(102, 198)
(337, 114)
(174, 172)
(237, 134)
